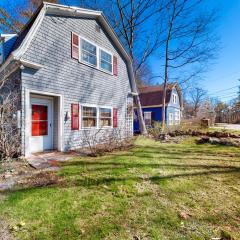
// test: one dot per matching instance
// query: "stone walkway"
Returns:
(41, 162)
(49, 159)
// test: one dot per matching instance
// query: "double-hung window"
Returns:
(148, 118)
(170, 116)
(174, 98)
(105, 61)
(88, 52)
(177, 117)
(93, 55)
(89, 117)
(105, 115)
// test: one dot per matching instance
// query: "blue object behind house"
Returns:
(151, 101)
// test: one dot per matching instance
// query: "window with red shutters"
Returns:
(75, 116)
(75, 46)
(115, 117)
(115, 66)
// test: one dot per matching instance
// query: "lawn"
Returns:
(152, 191)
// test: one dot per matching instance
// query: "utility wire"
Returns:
(226, 89)
(224, 94)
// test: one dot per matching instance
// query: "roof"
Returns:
(148, 89)
(152, 95)
(25, 30)
(27, 34)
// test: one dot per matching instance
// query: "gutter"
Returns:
(30, 64)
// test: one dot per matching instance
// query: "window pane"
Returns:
(39, 112)
(106, 56)
(39, 128)
(89, 47)
(106, 66)
(89, 52)
(105, 122)
(105, 112)
(105, 117)
(87, 57)
(89, 122)
(89, 112)
(106, 61)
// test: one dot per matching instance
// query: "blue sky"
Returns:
(224, 73)
(222, 78)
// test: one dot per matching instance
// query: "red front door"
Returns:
(41, 119)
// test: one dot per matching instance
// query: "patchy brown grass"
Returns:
(153, 191)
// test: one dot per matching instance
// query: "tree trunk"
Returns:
(164, 105)
(142, 125)
(165, 87)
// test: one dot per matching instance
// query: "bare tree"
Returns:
(135, 23)
(9, 132)
(188, 43)
(144, 75)
(14, 17)
(197, 96)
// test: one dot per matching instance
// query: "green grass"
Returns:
(139, 192)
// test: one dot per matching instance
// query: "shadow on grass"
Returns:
(86, 182)
(72, 173)
(144, 165)
(95, 182)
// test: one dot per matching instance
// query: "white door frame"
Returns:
(27, 119)
(45, 101)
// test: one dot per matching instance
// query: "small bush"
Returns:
(156, 130)
(103, 141)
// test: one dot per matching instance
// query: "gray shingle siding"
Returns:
(63, 75)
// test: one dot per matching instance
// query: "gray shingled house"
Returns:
(73, 75)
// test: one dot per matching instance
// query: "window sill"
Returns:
(96, 128)
(96, 68)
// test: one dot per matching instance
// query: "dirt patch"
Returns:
(5, 233)
(13, 169)
(41, 179)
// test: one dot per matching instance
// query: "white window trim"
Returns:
(98, 116)
(177, 113)
(178, 119)
(98, 48)
(170, 119)
(148, 112)
(174, 98)
(104, 70)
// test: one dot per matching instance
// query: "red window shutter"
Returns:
(115, 66)
(75, 116)
(115, 117)
(75, 46)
